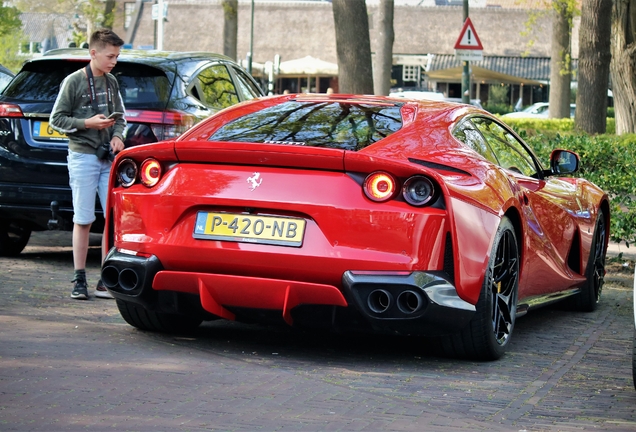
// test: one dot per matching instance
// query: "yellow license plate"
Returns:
(284, 231)
(42, 129)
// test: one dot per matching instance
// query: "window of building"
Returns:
(411, 73)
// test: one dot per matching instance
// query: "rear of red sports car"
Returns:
(310, 211)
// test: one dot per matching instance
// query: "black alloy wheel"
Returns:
(504, 279)
(596, 275)
(489, 332)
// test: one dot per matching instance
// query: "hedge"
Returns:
(608, 160)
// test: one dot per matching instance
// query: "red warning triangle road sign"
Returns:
(468, 39)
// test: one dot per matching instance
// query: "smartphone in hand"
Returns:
(116, 115)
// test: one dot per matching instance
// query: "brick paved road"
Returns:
(73, 365)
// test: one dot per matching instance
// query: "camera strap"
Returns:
(93, 94)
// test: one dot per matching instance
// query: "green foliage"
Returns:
(95, 15)
(550, 127)
(9, 20)
(10, 56)
(609, 161)
(498, 94)
(497, 108)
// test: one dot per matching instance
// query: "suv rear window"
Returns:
(40, 81)
(332, 124)
(141, 86)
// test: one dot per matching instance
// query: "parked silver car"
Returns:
(537, 110)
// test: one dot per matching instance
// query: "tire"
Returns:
(489, 332)
(634, 360)
(143, 319)
(587, 299)
(14, 236)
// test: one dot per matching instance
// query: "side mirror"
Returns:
(563, 162)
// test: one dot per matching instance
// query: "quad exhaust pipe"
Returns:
(379, 301)
(407, 301)
(128, 278)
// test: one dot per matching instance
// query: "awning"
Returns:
(307, 66)
(478, 74)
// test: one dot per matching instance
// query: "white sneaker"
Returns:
(102, 292)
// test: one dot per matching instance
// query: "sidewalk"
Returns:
(614, 249)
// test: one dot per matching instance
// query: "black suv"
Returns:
(165, 93)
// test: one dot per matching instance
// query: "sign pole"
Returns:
(466, 71)
(251, 54)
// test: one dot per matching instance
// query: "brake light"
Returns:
(10, 110)
(165, 125)
(379, 186)
(150, 172)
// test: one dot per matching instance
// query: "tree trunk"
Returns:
(623, 65)
(594, 64)
(383, 61)
(230, 27)
(353, 46)
(560, 67)
(109, 14)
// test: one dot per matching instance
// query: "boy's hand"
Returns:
(116, 145)
(98, 122)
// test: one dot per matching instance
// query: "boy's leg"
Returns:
(80, 251)
(81, 236)
(83, 172)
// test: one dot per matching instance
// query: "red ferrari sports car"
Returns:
(357, 213)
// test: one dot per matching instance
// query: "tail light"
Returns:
(127, 172)
(418, 191)
(379, 186)
(149, 172)
(10, 110)
(165, 125)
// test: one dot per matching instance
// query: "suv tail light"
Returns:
(10, 110)
(164, 124)
(174, 124)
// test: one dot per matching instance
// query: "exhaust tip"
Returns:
(379, 301)
(409, 302)
(128, 279)
(110, 276)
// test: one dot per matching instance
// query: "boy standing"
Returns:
(86, 98)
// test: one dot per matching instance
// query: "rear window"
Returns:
(332, 124)
(40, 81)
(141, 86)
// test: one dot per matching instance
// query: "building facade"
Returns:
(425, 35)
